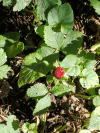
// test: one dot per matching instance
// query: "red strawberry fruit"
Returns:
(59, 72)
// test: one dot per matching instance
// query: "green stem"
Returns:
(62, 128)
(44, 115)
(86, 97)
(85, 125)
(43, 121)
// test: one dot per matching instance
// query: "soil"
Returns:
(70, 111)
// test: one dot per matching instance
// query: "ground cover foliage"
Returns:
(36, 38)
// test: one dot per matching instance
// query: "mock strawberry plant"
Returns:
(58, 37)
(76, 63)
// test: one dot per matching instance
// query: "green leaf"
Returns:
(45, 51)
(74, 70)
(3, 57)
(66, 75)
(62, 14)
(92, 92)
(3, 68)
(14, 49)
(9, 38)
(33, 68)
(67, 28)
(40, 31)
(49, 54)
(84, 131)
(69, 61)
(3, 128)
(33, 127)
(96, 101)
(12, 124)
(96, 112)
(3, 71)
(90, 64)
(12, 36)
(86, 58)
(53, 39)
(59, 2)
(21, 4)
(72, 43)
(10, 43)
(42, 105)
(94, 123)
(27, 127)
(44, 6)
(8, 3)
(37, 90)
(90, 78)
(61, 89)
(96, 5)
(10, 119)
(15, 125)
